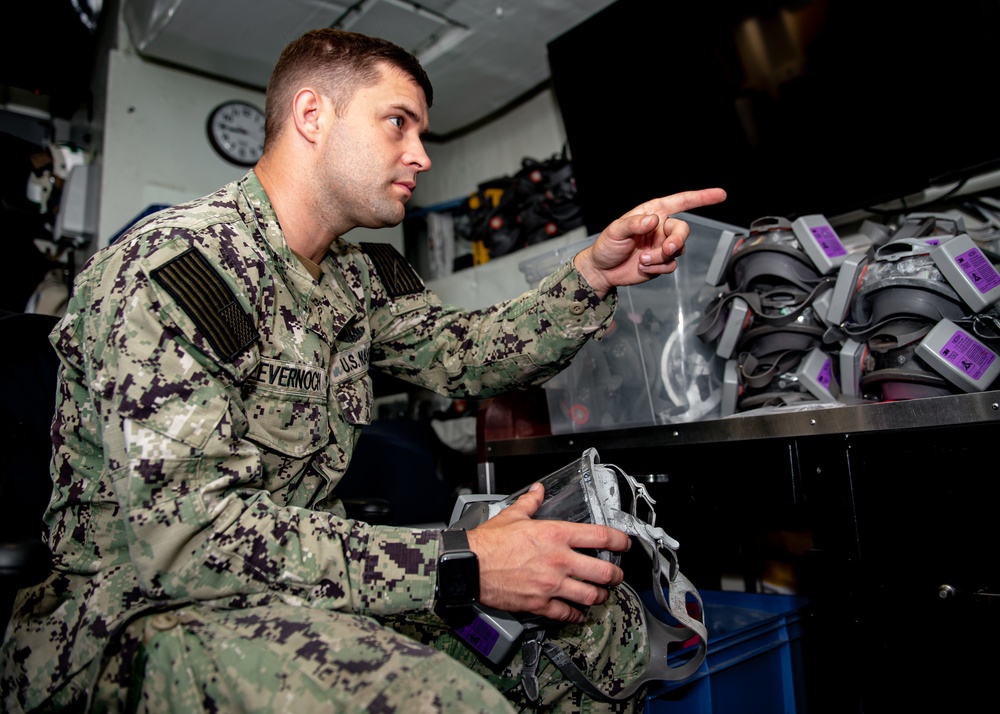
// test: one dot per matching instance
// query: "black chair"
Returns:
(28, 369)
(393, 476)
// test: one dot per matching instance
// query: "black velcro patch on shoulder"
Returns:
(209, 301)
(398, 276)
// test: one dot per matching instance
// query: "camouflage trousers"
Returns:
(295, 659)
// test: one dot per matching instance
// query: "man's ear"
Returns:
(307, 110)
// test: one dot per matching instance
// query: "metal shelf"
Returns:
(914, 414)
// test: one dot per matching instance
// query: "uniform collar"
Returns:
(327, 306)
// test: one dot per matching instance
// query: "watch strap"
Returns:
(454, 539)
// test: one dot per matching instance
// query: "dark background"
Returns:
(867, 101)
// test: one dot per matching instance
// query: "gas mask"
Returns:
(586, 491)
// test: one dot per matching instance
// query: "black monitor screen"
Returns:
(796, 107)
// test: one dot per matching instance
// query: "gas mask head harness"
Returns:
(901, 282)
(769, 271)
(765, 352)
(892, 369)
(586, 491)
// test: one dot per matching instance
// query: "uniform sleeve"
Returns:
(480, 353)
(180, 489)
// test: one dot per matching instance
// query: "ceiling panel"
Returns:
(480, 55)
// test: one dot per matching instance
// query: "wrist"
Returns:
(457, 570)
(584, 264)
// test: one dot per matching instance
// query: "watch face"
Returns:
(236, 130)
(458, 578)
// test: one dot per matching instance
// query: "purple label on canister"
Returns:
(825, 375)
(967, 354)
(978, 269)
(828, 240)
(479, 634)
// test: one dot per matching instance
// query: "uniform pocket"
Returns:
(286, 407)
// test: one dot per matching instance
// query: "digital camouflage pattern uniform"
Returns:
(211, 394)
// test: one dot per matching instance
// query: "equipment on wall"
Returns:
(535, 204)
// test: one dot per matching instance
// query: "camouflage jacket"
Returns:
(210, 396)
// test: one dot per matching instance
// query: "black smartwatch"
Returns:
(457, 570)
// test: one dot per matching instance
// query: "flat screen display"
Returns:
(799, 107)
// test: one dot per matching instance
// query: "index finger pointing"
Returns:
(683, 201)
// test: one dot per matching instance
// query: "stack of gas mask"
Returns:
(769, 322)
(917, 314)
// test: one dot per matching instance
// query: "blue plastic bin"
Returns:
(753, 665)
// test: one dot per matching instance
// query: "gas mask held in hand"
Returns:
(586, 491)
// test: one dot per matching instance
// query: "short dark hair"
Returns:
(340, 62)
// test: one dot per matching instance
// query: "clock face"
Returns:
(236, 130)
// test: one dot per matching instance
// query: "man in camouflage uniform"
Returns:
(214, 381)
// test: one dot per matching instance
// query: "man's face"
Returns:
(374, 151)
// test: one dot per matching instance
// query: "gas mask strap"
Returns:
(531, 651)
(759, 371)
(661, 637)
(561, 660)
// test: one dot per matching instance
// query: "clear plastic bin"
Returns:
(650, 368)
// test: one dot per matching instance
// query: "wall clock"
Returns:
(236, 131)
